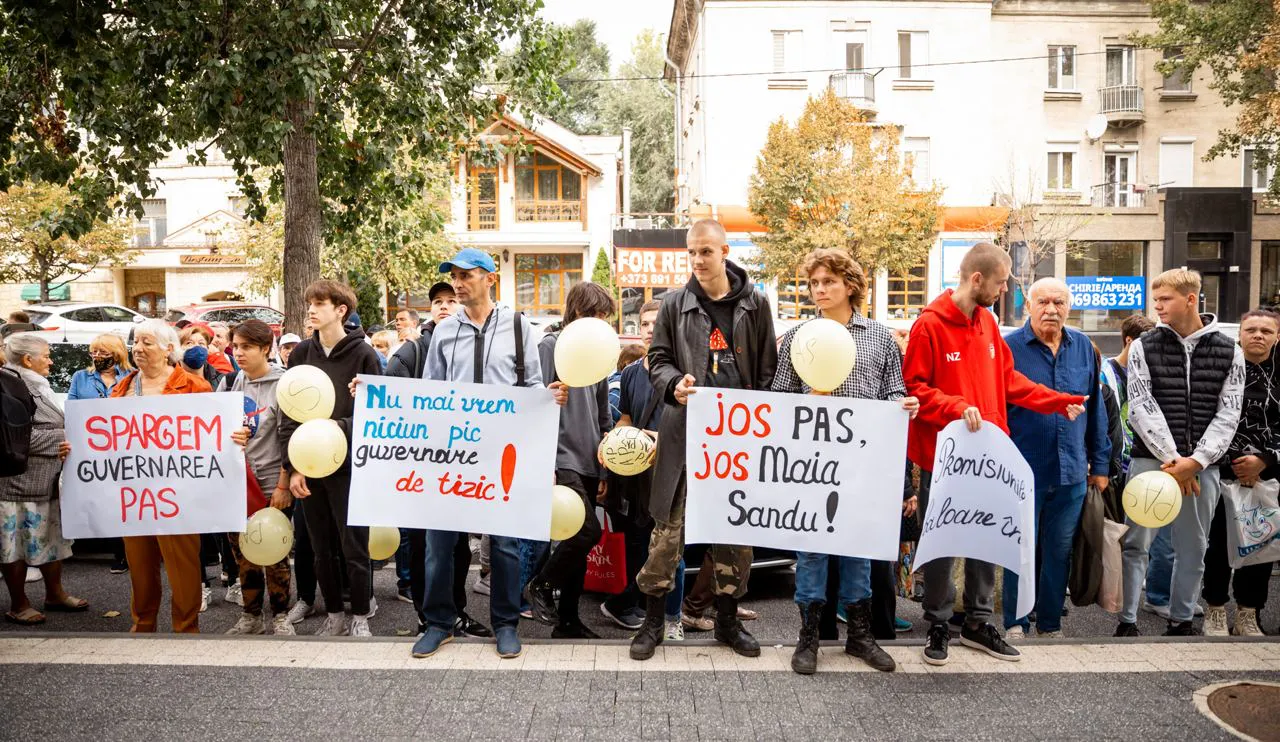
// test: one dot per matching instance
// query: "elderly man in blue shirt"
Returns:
(1065, 456)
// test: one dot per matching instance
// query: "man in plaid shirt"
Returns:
(838, 287)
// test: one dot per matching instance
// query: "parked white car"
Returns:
(81, 322)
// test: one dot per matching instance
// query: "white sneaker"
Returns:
(301, 610)
(1049, 634)
(234, 594)
(34, 575)
(206, 592)
(360, 627)
(373, 608)
(248, 624)
(335, 624)
(1016, 635)
(1215, 621)
(280, 626)
(482, 586)
(675, 631)
(1247, 623)
(1160, 610)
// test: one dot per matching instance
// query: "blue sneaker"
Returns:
(840, 614)
(430, 642)
(508, 643)
(901, 624)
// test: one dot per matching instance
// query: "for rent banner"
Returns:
(154, 466)
(792, 471)
(478, 458)
(982, 505)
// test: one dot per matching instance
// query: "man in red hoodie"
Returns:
(959, 367)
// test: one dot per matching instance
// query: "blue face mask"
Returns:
(195, 357)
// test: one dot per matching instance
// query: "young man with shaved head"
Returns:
(959, 367)
(1066, 456)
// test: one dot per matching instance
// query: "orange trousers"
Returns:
(181, 557)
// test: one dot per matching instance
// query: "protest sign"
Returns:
(478, 458)
(982, 505)
(792, 471)
(154, 466)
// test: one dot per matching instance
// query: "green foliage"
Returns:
(646, 107)
(585, 62)
(602, 273)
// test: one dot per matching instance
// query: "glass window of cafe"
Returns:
(1104, 259)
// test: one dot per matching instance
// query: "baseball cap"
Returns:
(353, 321)
(439, 288)
(290, 339)
(469, 258)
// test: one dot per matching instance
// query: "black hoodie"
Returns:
(722, 365)
(351, 356)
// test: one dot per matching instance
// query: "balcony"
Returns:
(548, 211)
(859, 88)
(1122, 105)
(1118, 195)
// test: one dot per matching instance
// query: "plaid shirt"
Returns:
(876, 375)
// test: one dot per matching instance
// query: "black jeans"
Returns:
(326, 511)
(1249, 583)
(566, 568)
(304, 558)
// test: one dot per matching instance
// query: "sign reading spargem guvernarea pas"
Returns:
(795, 471)
(477, 458)
(154, 466)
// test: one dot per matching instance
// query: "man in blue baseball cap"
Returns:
(469, 258)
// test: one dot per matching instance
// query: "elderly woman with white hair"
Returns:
(30, 514)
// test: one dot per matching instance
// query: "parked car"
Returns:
(81, 322)
(229, 312)
(68, 358)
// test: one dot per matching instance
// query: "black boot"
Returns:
(805, 659)
(650, 635)
(729, 629)
(861, 643)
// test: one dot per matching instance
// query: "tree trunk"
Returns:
(302, 217)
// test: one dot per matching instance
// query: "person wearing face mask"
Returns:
(195, 354)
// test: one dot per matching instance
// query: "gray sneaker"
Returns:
(281, 626)
(248, 624)
(336, 624)
(234, 594)
(360, 627)
(300, 611)
(482, 586)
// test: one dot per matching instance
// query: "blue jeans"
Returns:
(1057, 518)
(811, 578)
(675, 598)
(504, 581)
(532, 554)
(1160, 568)
(402, 561)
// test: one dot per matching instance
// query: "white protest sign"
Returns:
(982, 505)
(154, 466)
(477, 458)
(793, 471)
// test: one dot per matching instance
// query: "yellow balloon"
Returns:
(305, 393)
(267, 537)
(1152, 499)
(823, 354)
(586, 352)
(383, 542)
(567, 513)
(626, 451)
(318, 448)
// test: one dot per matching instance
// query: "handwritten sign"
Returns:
(658, 268)
(982, 505)
(792, 471)
(478, 458)
(154, 466)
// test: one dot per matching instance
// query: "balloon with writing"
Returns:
(305, 393)
(267, 537)
(567, 513)
(383, 542)
(627, 451)
(1152, 499)
(318, 448)
(823, 354)
(586, 352)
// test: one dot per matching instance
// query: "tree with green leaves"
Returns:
(602, 273)
(343, 102)
(642, 100)
(585, 64)
(832, 180)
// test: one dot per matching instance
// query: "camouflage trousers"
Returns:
(253, 579)
(731, 564)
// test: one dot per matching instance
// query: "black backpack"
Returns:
(17, 411)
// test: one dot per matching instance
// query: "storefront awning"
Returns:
(61, 292)
(736, 218)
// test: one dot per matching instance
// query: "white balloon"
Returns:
(626, 451)
(318, 448)
(586, 352)
(823, 354)
(305, 393)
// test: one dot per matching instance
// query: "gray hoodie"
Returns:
(262, 416)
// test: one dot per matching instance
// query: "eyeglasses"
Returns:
(101, 354)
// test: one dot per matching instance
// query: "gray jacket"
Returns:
(262, 416)
(40, 481)
(681, 345)
(583, 420)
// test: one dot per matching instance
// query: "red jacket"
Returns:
(954, 362)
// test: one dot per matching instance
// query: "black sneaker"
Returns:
(575, 630)
(1186, 628)
(403, 595)
(630, 619)
(986, 638)
(1126, 629)
(467, 626)
(542, 602)
(119, 567)
(935, 651)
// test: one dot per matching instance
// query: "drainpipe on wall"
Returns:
(626, 169)
(675, 170)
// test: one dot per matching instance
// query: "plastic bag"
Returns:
(1253, 522)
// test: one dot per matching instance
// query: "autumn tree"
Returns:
(29, 253)
(832, 180)
(1037, 228)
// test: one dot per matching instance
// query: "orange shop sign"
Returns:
(649, 267)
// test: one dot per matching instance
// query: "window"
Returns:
(116, 314)
(151, 229)
(1258, 173)
(1104, 259)
(482, 199)
(543, 280)
(1062, 68)
(1120, 66)
(1180, 80)
(238, 204)
(88, 314)
(1060, 172)
(547, 191)
(794, 301)
(915, 160)
(907, 293)
(786, 51)
(634, 297)
(150, 304)
(913, 54)
(1119, 170)
(1269, 286)
(1177, 163)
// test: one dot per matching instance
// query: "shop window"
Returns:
(634, 297)
(547, 191)
(794, 301)
(1104, 259)
(543, 280)
(482, 199)
(907, 294)
(151, 304)
(1270, 278)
